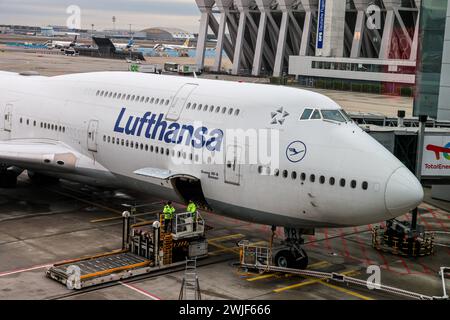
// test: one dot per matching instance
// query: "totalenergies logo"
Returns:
(438, 150)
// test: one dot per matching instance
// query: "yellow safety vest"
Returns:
(168, 212)
(192, 208)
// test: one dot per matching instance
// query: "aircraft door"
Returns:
(92, 135)
(233, 165)
(8, 117)
(179, 101)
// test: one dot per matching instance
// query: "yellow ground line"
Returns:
(234, 249)
(311, 266)
(223, 248)
(311, 281)
(347, 291)
(227, 237)
(264, 276)
(120, 217)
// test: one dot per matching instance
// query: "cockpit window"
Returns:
(316, 115)
(346, 116)
(306, 114)
(333, 115)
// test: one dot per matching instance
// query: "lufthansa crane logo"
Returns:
(296, 151)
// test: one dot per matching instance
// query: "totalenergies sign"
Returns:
(436, 155)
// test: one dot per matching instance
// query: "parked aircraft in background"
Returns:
(168, 136)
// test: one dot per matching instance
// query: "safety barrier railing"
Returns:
(256, 257)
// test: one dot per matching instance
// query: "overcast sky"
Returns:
(141, 14)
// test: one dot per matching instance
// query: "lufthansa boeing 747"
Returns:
(184, 138)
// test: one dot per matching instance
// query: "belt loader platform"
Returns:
(146, 248)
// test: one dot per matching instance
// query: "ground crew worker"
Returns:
(168, 212)
(192, 209)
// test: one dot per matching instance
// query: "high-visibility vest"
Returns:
(168, 212)
(192, 208)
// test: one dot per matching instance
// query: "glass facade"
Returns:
(429, 59)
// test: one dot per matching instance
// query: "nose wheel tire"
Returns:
(287, 259)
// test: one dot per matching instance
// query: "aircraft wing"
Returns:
(44, 155)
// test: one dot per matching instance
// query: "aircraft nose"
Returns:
(403, 192)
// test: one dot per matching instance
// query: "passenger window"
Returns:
(312, 178)
(303, 176)
(342, 182)
(332, 181)
(285, 173)
(306, 114)
(316, 115)
(365, 185)
(353, 184)
(259, 168)
(322, 179)
(276, 173)
(294, 175)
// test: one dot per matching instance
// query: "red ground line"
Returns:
(312, 241)
(435, 217)
(422, 219)
(344, 243)
(10, 272)
(405, 265)
(327, 240)
(361, 246)
(426, 269)
(144, 292)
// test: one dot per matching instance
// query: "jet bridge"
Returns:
(146, 248)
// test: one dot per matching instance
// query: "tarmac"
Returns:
(40, 226)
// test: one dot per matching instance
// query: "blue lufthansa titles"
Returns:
(152, 126)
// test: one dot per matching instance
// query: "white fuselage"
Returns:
(84, 113)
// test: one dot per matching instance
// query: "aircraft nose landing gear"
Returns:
(293, 256)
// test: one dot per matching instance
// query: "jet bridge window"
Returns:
(333, 115)
(306, 114)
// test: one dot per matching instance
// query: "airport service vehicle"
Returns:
(185, 138)
(186, 69)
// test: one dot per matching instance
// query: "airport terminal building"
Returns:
(323, 43)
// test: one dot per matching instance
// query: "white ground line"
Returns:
(7, 273)
(141, 291)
